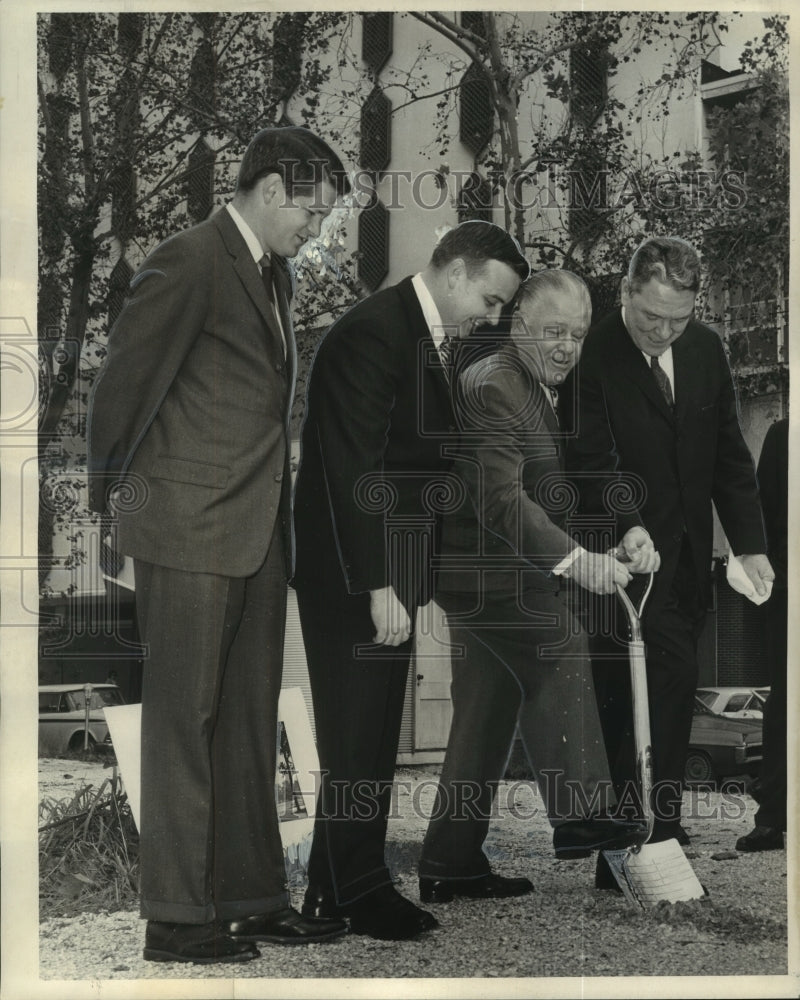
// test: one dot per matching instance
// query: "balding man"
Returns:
(507, 558)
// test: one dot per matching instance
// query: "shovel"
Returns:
(648, 873)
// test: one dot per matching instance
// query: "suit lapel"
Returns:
(427, 354)
(248, 271)
(634, 367)
(686, 363)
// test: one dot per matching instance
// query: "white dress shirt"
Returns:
(255, 248)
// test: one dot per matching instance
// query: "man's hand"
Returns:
(391, 620)
(598, 573)
(758, 570)
(637, 551)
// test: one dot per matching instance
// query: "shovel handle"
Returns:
(641, 714)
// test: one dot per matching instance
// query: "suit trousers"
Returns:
(358, 691)
(523, 661)
(671, 632)
(771, 786)
(210, 846)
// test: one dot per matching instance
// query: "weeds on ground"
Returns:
(88, 852)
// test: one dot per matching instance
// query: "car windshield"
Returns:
(99, 699)
(707, 697)
(700, 708)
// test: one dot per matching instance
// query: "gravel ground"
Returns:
(566, 928)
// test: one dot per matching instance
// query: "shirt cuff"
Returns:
(560, 568)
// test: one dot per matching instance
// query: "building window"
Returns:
(588, 78)
(475, 109)
(200, 181)
(376, 40)
(118, 284)
(373, 244)
(475, 199)
(376, 131)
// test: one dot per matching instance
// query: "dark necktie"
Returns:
(446, 355)
(553, 395)
(266, 276)
(663, 381)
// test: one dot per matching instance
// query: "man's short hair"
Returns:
(300, 157)
(551, 281)
(476, 243)
(668, 259)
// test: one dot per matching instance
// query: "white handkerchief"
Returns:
(741, 582)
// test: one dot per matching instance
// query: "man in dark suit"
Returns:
(506, 558)
(189, 447)
(657, 441)
(770, 789)
(373, 477)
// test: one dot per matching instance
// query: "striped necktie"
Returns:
(663, 381)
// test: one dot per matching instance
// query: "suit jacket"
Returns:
(509, 531)
(191, 410)
(373, 475)
(673, 465)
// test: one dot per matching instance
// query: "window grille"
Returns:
(118, 284)
(200, 181)
(287, 55)
(376, 40)
(123, 201)
(373, 245)
(475, 199)
(376, 131)
(475, 109)
(588, 72)
(474, 21)
(130, 30)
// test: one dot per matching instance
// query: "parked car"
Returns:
(62, 714)
(721, 747)
(735, 702)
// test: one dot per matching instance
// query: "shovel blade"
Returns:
(653, 873)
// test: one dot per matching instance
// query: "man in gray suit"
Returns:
(507, 557)
(188, 437)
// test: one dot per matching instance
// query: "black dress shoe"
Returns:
(387, 915)
(199, 943)
(285, 926)
(761, 838)
(578, 838)
(319, 902)
(489, 886)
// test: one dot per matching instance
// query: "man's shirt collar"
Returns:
(250, 238)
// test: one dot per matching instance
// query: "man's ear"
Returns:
(624, 290)
(456, 270)
(271, 189)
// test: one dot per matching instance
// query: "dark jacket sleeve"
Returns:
(353, 396)
(499, 474)
(593, 458)
(161, 318)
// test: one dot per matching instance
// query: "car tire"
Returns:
(76, 743)
(698, 768)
